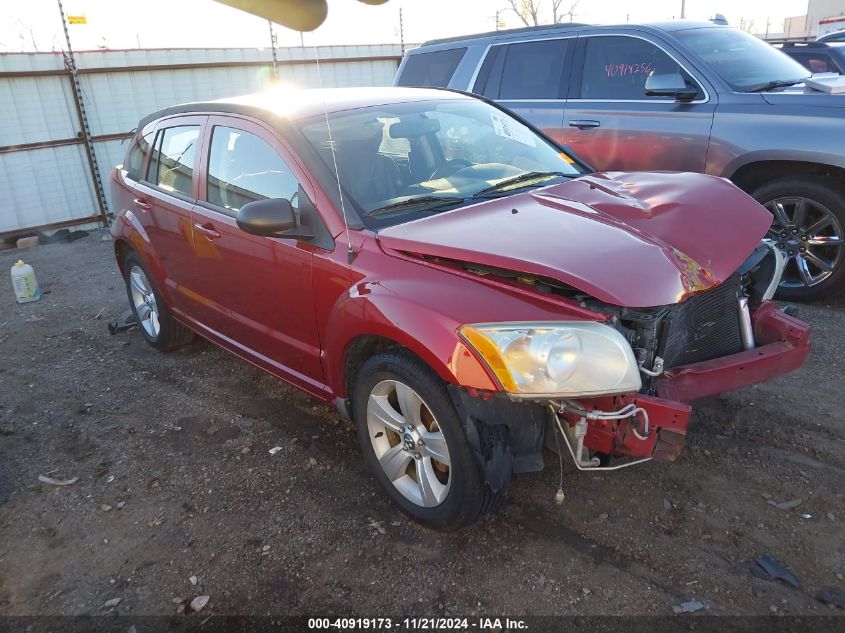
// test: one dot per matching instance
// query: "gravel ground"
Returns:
(176, 480)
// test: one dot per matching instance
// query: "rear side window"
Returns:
(532, 70)
(243, 168)
(617, 68)
(135, 157)
(172, 161)
(431, 69)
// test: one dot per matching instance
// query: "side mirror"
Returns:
(671, 85)
(270, 218)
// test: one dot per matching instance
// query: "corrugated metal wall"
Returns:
(45, 178)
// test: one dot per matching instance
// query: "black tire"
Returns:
(171, 333)
(828, 193)
(468, 497)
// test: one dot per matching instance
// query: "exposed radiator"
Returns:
(703, 327)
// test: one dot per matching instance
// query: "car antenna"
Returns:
(350, 253)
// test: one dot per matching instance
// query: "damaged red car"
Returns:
(460, 287)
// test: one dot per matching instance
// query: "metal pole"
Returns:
(401, 33)
(70, 63)
(273, 48)
(497, 20)
(683, 9)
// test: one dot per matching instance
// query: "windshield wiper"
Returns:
(777, 83)
(510, 182)
(424, 201)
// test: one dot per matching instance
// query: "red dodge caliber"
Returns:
(451, 280)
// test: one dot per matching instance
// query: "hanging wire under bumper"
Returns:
(636, 427)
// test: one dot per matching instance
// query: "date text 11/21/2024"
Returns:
(417, 623)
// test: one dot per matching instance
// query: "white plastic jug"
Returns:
(24, 282)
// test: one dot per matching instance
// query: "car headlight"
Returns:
(556, 359)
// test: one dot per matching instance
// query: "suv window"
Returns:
(431, 69)
(617, 67)
(532, 70)
(172, 162)
(743, 61)
(815, 62)
(136, 155)
(243, 167)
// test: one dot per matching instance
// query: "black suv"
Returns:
(681, 96)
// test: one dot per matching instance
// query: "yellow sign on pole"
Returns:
(77, 19)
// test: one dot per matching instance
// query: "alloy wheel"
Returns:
(408, 443)
(810, 238)
(144, 301)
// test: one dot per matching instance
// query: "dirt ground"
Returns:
(176, 480)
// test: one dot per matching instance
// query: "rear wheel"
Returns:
(808, 227)
(156, 323)
(415, 443)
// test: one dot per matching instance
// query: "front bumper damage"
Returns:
(782, 345)
(508, 436)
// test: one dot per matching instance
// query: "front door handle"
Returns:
(584, 124)
(208, 230)
(142, 204)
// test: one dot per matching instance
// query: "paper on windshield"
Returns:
(508, 128)
(831, 83)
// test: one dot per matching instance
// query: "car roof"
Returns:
(668, 26)
(833, 36)
(293, 104)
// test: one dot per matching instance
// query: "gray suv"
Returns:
(681, 96)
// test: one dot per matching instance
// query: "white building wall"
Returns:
(47, 185)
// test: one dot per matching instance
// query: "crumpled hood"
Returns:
(629, 239)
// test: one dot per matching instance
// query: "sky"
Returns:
(35, 24)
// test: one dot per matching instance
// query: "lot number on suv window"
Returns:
(617, 67)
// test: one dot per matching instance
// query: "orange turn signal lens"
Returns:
(490, 354)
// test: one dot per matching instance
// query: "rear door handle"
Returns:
(142, 204)
(208, 230)
(584, 124)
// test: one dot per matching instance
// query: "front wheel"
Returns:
(809, 216)
(415, 443)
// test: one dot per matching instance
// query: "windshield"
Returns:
(745, 62)
(399, 162)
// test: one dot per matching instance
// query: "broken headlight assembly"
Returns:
(565, 359)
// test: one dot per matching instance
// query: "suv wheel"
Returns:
(809, 216)
(416, 445)
(156, 323)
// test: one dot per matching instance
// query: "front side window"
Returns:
(399, 161)
(617, 68)
(243, 168)
(172, 161)
(533, 70)
(743, 61)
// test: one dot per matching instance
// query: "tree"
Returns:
(559, 14)
(529, 11)
(26, 35)
(746, 25)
